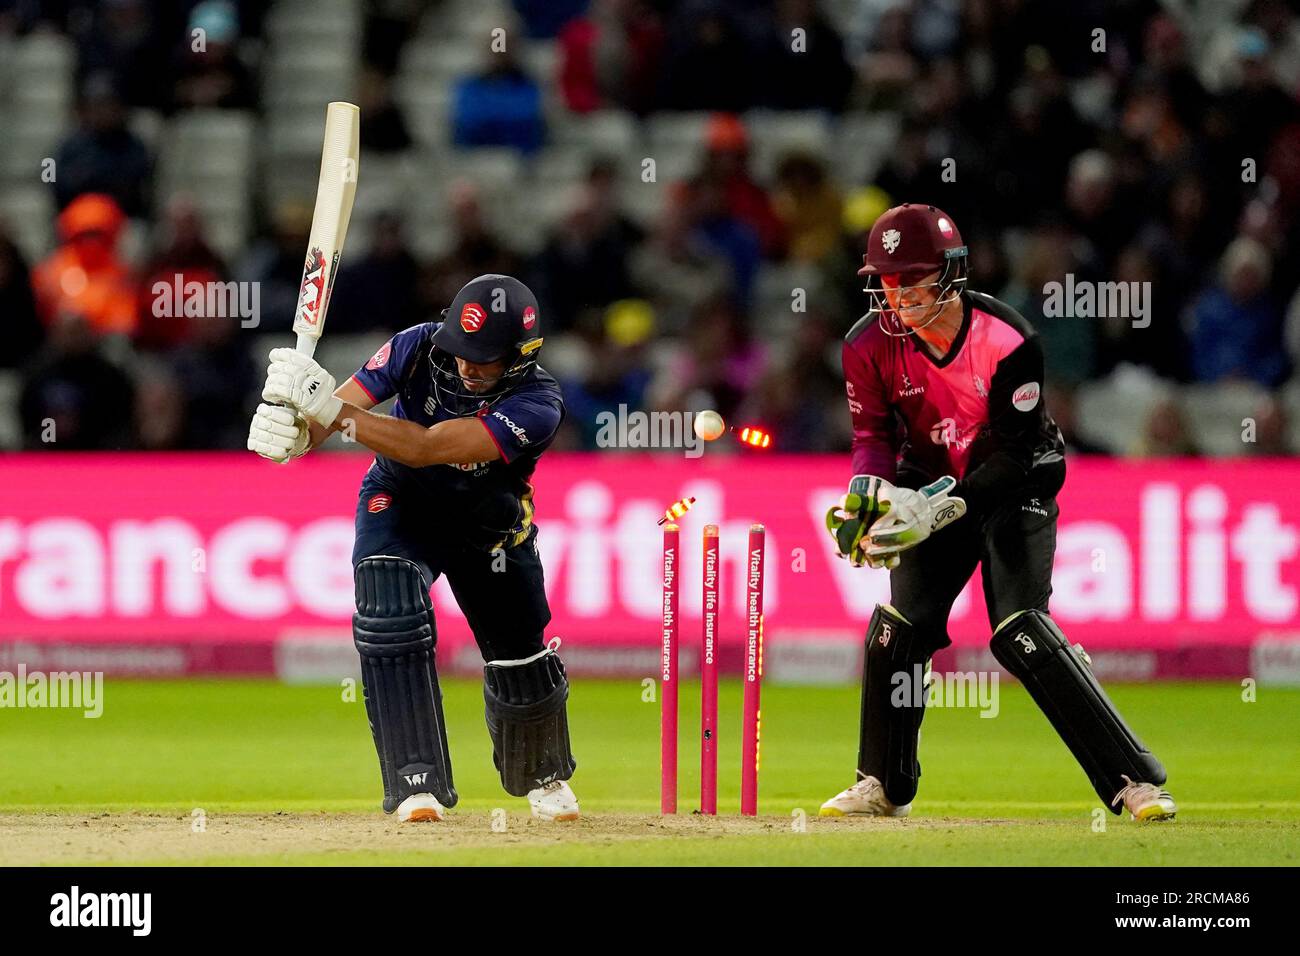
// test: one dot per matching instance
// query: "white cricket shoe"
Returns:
(421, 807)
(867, 796)
(1146, 802)
(555, 801)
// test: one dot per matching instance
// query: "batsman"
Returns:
(957, 463)
(448, 493)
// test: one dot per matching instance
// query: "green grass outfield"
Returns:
(286, 775)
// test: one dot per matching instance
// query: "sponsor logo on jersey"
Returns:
(980, 389)
(855, 406)
(1026, 396)
(890, 240)
(518, 431)
(848, 387)
(944, 432)
(530, 317)
(380, 358)
(908, 390)
(472, 317)
(378, 503)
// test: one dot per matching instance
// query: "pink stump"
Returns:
(668, 678)
(709, 677)
(753, 672)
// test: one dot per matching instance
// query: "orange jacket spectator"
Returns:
(84, 276)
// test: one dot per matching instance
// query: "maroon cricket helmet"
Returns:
(911, 239)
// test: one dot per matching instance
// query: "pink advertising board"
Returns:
(223, 550)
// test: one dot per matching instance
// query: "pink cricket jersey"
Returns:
(976, 414)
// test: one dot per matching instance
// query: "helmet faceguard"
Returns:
(950, 284)
(451, 392)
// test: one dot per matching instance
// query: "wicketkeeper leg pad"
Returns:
(893, 703)
(393, 629)
(1060, 681)
(526, 717)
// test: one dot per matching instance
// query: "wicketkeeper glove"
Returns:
(296, 379)
(912, 517)
(849, 521)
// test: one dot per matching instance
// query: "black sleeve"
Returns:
(1015, 415)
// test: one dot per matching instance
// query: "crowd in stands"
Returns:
(1170, 157)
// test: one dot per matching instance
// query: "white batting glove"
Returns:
(278, 433)
(912, 517)
(296, 379)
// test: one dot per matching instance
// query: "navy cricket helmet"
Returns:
(493, 318)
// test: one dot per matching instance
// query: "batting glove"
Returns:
(278, 433)
(296, 379)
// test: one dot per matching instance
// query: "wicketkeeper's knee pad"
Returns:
(893, 703)
(525, 702)
(1059, 678)
(393, 629)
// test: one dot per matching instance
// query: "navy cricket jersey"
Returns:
(522, 424)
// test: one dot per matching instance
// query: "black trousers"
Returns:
(1015, 544)
(502, 594)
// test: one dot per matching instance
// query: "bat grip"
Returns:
(306, 345)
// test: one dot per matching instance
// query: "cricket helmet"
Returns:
(493, 318)
(908, 243)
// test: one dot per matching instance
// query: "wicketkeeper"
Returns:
(957, 463)
(447, 494)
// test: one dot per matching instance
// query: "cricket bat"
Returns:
(329, 223)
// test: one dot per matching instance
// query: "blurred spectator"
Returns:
(383, 127)
(1069, 342)
(217, 376)
(23, 331)
(1234, 325)
(475, 250)
(183, 256)
(800, 399)
(616, 373)
(1256, 106)
(803, 70)
(1063, 404)
(73, 399)
(887, 68)
(676, 268)
(84, 276)
(1272, 431)
(130, 41)
(808, 206)
(611, 57)
(709, 62)
(500, 106)
(1165, 433)
(210, 73)
(717, 368)
(546, 18)
(380, 289)
(160, 413)
(102, 155)
(585, 262)
(275, 263)
(727, 164)
(719, 229)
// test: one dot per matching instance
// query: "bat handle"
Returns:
(306, 345)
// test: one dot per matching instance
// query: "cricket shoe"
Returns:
(555, 801)
(867, 796)
(421, 807)
(1146, 802)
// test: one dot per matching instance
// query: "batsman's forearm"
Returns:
(459, 441)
